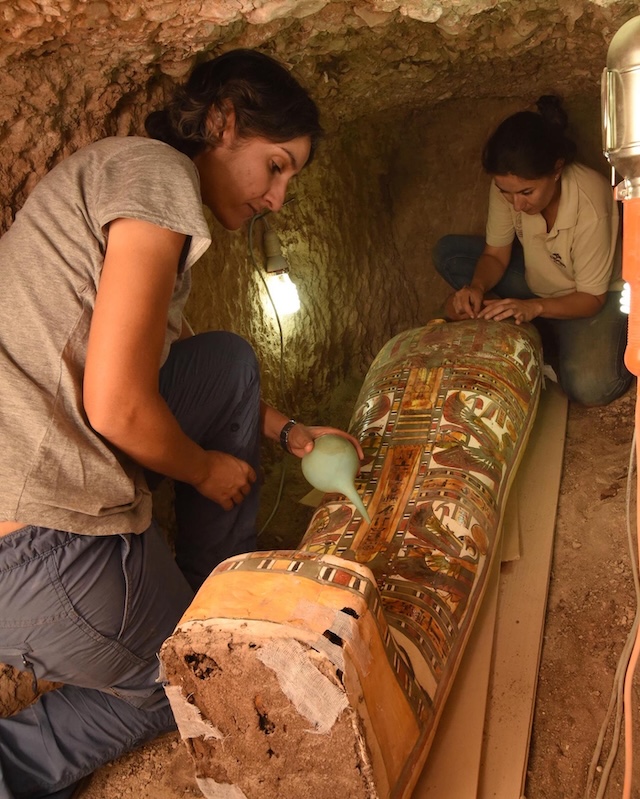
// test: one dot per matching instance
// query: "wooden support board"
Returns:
(453, 764)
(482, 744)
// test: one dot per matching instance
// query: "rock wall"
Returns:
(353, 286)
(393, 175)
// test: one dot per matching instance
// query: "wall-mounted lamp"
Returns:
(283, 291)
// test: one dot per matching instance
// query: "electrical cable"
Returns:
(281, 370)
(623, 668)
(623, 663)
(628, 680)
(620, 104)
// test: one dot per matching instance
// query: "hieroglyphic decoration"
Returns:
(440, 418)
(376, 614)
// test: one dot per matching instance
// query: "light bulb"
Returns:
(284, 294)
(276, 262)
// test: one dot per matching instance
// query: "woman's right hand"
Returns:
(467, 302)
(228, 479)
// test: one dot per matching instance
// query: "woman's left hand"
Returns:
(301, 438)
(520, 310)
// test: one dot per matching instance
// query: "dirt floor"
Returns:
(591, 606)
(591, 609)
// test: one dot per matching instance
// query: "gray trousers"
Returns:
(92, 611)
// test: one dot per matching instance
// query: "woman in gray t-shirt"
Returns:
(104, 389)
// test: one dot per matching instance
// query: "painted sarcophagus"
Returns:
(322, 672)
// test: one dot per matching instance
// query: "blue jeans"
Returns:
(588, 354)
(93, 611)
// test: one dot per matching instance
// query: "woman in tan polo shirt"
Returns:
(550, 254)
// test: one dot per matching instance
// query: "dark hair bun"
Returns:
(530, 144)
(551, 110)
(158, 126)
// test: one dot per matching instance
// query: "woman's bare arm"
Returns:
(121, 395)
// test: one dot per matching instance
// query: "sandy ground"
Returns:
(591, 608)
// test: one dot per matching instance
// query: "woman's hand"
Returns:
(227, 481)
(301, 438)
(467, 302)
(520, 310)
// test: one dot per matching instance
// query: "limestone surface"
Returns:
(73, 71)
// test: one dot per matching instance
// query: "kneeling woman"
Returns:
(103, 390)
(550, 253)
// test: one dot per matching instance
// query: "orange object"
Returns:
(621, 145)
(631, 274)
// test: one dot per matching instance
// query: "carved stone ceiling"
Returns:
(359, 57)
(75, 70)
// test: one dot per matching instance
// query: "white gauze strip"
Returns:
(314, 696)
(188, 717)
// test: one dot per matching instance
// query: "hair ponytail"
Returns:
(552, 111)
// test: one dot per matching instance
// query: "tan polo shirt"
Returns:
(55, 470)
(579, 252)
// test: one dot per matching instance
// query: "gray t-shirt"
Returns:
(55, 471)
